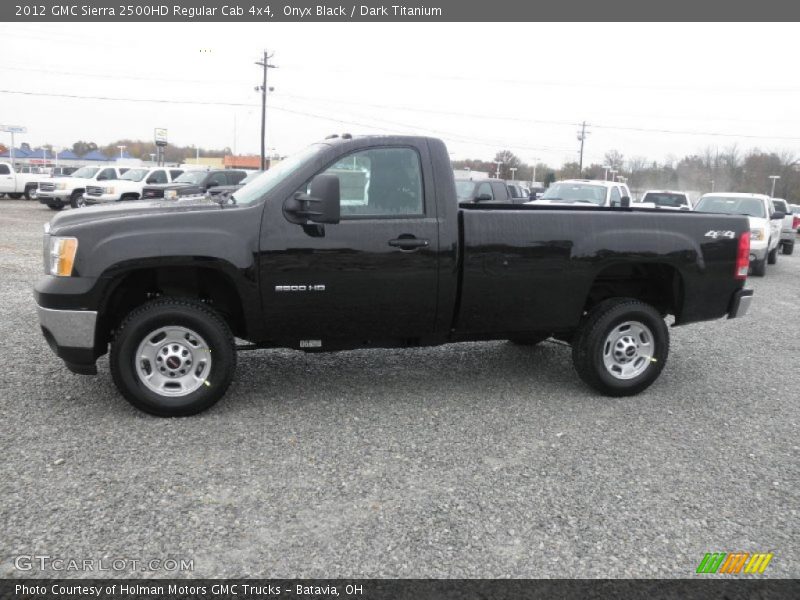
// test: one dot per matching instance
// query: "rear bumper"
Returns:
(71, 334)
(740, 303)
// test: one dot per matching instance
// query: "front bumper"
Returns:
(50, 197)
(71, 335)
(102, 199)
(740, 303)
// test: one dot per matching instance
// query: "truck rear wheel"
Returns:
(173, 357)
(621, 347)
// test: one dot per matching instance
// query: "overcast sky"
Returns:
(480, 87)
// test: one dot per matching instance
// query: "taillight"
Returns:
(796, 223)
(743, 256)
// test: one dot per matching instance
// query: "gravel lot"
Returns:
(468, 460)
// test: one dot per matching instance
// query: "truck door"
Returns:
(373, 276)
(6, 179)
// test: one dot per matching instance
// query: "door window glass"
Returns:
(381, 182)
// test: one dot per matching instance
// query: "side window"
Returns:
(500, 191)
(175, 173)
(217, 179)
(235, 177)
(616, 197)
(381, 182)
(4, 170)
(484, 189)
(158, 177)
(106, 174)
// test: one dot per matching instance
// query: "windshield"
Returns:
(464, 189)
(86, 172)
(191, 177)
(731, 205)
(134, 175)
(666, 199)
(576, 192)
(267, 180)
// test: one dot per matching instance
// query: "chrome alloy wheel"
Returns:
(628, 350)
(173, 361)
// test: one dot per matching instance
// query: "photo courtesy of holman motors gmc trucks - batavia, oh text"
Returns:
(360, 242)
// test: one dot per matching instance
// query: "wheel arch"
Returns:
(215, 282)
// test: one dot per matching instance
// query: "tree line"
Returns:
(712, 169)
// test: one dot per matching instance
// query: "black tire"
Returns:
(788, 248)
(76, 199)
(199, 320)
(772, 257)
(56, 206)
(591, 343)
(759, 267)
(15, 196)
(28, 195)
(529, 340)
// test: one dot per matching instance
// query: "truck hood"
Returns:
(128, 210)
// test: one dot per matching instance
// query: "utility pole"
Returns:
(581, 138)
(513, 173)
(264, 63)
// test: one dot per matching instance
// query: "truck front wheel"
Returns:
(621, 347)
(173, 357)
(772, 257)
(76, 199)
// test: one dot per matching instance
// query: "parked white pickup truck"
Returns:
(788, 227)
(664, 199)
(60, 191)
(765, 223)
(16, 185)
(129, 185)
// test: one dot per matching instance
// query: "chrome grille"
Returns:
(93, 190)
(47, 187)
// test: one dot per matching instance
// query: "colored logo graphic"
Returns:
(734, 563)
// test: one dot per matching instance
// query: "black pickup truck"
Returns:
(193, 183)
(360, 242)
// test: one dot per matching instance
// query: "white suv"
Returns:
(584, 191)
(765, 228)
(129, 185)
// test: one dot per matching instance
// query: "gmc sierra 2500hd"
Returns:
(360, 242)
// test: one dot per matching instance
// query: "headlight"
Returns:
(61, 186)
(62, 255)
(108, 190)
(757, 234)
(170, 194)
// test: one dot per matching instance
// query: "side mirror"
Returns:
(322, 203)
(625, 202)
(483, 198)
(777, 215)
(211, 184)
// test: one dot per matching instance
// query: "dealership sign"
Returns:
(13, 129)
(161, 136)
